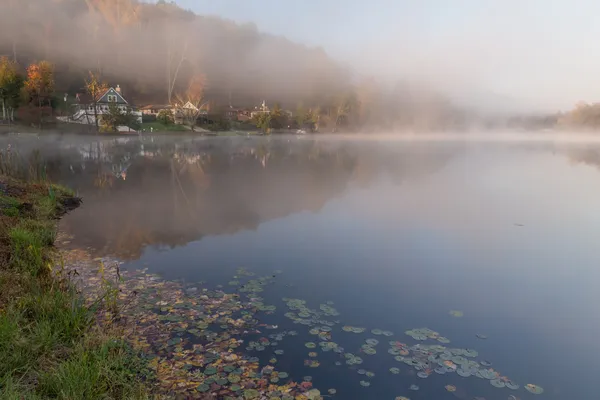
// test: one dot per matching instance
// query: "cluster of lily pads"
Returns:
(429, 359)
(192, 336)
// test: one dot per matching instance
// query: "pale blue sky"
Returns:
(540, 51)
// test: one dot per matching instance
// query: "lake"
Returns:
(394, 234)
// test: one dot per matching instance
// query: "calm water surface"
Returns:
(396, 234)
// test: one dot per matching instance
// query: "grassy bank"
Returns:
(50, 345)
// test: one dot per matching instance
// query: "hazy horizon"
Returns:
(533, 55)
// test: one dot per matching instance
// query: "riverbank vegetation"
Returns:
(50, 344)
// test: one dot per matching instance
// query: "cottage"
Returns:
(85, 113)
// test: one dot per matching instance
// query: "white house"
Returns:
(85, 106)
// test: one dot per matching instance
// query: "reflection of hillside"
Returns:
(171, 196)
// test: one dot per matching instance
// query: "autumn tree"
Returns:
(95, 88)
(190, 103)
(11, 83)
(39, 86)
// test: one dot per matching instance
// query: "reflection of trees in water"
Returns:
(588, 156)
(178, 192)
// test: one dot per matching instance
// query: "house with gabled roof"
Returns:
(85, 114)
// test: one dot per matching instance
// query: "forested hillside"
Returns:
(152, 50)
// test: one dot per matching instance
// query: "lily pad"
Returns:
(372, 342)
(203, 388)
(498, 383)
(512, 385)
(310, 345)
(535, 389)
(365, 383)
(456, 313)
(395, 370)
(376, 331)
(423, 375)
(470, 353)
(250, 394)
(369, 351)
(332, 391)
(450, 388)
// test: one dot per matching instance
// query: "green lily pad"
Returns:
(365, 383)
(283, 375)
(498, 383)
(376, 331)
(372, 342)
(310, 345)
(203, 388)
(512, 385)
(456, 313)
(470, 353)
(395, 370)
(535, 389)
(369, 351)
(250, 394)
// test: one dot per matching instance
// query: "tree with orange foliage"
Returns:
(190, 104)
(40, 83)
(39, 86)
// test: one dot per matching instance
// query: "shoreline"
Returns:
(78, 327)
(51, 345)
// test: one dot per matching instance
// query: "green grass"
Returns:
(50, 344)
(159, 127)
(9, 206)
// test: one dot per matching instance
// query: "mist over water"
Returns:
(395, 232)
